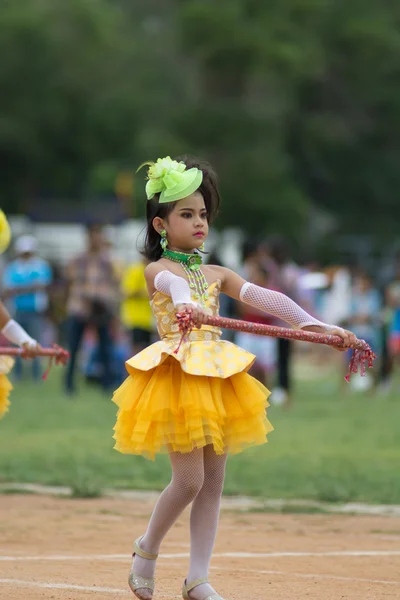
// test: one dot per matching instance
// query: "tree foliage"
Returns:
(297, 102)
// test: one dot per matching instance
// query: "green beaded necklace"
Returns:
(191, 265)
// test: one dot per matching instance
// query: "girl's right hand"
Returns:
(30, 350)
(198, 314)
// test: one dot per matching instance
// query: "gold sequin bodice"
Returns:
(167, 326)
(202, 353)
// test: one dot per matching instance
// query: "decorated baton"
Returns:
(361, 359)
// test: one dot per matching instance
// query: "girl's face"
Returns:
(187, 225)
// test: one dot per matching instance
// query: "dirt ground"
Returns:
(64, 549)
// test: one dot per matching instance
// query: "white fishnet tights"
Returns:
(197, 477)
(204, 521)
(279, 305)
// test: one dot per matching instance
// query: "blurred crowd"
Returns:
(98, 308)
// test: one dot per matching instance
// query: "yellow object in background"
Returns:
(135, 308)
(5, 232)
(6, 364)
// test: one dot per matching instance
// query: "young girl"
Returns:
(10, 329)
(198, 404)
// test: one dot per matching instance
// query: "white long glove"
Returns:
(17, 335)
(279, 305)
(174, 286)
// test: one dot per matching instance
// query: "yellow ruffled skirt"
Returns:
(165, 408)
(5, 390)
(6, 364)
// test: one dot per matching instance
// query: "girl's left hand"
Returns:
(348, 337)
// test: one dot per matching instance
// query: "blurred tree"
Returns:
(73, 81)
(297, 102)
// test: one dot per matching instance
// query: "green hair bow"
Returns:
(171, 180)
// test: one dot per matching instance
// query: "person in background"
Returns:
(227, 306)
(393, 301)
(92, 301)
(118, 264)
(262, 254)
(263, 347)
(338, 294)
(136, 314)
(365, 318)
(286, 278)
(385, 374)
(26, 282)
(365, 309)
(389, 281)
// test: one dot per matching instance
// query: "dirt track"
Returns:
(64, 549)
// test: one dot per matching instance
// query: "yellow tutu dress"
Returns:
(6, 364)
(201, 395)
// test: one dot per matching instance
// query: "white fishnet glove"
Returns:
(174, 286)
(279, 305)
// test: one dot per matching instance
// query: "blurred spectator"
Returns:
(385, 358)
(265, 260)
(364, 320)
(393, 301)
(227, 306)
(336, 303)
(287, 280)
(26, 281)
(92, 301)
(92, 366)
(57, 312)
(312, 286)
(109, 248)
(263, 347)
(136, 314)
(365, 310)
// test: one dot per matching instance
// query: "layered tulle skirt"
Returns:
(176, 403)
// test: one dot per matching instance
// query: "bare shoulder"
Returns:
(221, 273)
(231, 282)
(151, 271)
(216, 271)
(154, 268)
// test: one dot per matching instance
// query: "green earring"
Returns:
(163, 241)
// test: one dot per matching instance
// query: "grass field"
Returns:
(329, 446)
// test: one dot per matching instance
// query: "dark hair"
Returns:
(208, 189)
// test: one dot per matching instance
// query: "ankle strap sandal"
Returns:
(189, 586)
(135, 581)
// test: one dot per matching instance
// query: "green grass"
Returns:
(327, 447)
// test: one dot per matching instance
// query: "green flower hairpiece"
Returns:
(171, 179)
